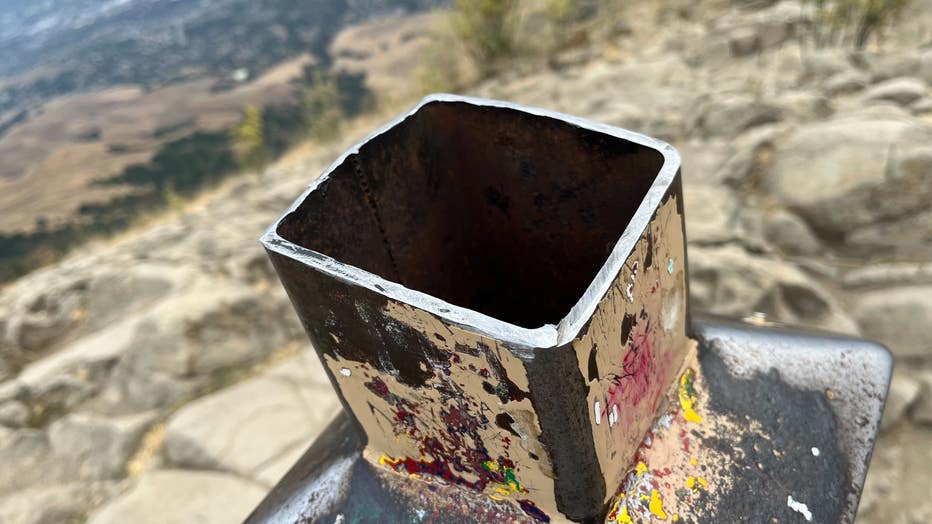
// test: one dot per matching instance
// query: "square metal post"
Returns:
(498, 294)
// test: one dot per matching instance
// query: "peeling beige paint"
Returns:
(673, 464)
(653, 297)
(387, 437)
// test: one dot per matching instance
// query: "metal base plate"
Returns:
(764, 424)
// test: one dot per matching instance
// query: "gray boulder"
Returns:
(52, 307)
(819, 65)
(903, 393)
(887, 275)
(908, 237)
(899, 318)
(96, 447)
(14, 414)
(730, 115)
(213, 327)
(26, 458)
(78, 370)
(903, 91)
(887, 66)
(846, 82)
(922, 411)
(922, 106)
(44, 313)
(752, 152)
(925, 66)
(712, 212)
(790, 234)
(729, 281)
(837, 174)
(804, 106)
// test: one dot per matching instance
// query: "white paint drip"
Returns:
(664, 422)
(816, 452)
(671, 310)
(346, 372)
(613, 417)
(629, 292)
(598, 413)
(799, 507)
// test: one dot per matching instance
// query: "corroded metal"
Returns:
(499, 296)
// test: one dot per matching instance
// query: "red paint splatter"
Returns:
(378, 386)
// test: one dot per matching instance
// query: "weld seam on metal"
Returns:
(370, 201)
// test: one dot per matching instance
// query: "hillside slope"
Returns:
(169, 360)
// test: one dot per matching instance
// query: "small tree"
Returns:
(249, 140)
(487, 28)
(322, 108)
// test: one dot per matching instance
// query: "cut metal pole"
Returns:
(499, 296)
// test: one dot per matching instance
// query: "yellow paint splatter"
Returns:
(695, 483)
(676, 517)
(386, 460)
(693, 461)
(656, 505)
(619, 517)
(688, 396)
(641, 468)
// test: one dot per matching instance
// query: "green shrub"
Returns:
(853, 22)
(321, 107)
(248, 139)
(488, 30)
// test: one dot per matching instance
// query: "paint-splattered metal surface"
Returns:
(499, 296)
(761, 425)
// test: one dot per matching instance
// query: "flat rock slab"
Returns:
(249, 428)
(63, 503)
(182, 497)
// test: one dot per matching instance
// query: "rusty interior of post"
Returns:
(499, 211)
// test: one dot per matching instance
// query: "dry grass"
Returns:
(389, 51)
(149, 447)
(49, 163)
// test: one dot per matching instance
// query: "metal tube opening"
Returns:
(503, 212)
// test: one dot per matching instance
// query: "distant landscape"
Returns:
(110, 110)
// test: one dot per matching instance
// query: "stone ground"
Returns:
(163, 377)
